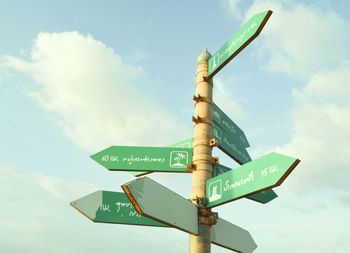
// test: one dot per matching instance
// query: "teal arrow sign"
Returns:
(157, 202)
(111, 207)
(128, 158)
(229, 127)
(249, 31)
(261, 174)
(261, 197)
(229, 146)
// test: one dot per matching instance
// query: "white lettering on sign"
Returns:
(234, 147)
(220, 56)
(123, 204)
(131, 159)
(105, 208)
(134, 213)
(105, 158)
(114, 158)
(230, 127)
(269, 170)
(241, 182)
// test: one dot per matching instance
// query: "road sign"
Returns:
(249, 31)
(111, 207)
(227, 125)
(263, 173)
(230, 236)
(157, 202)
(130, 158)
(229, 146)
(261, 197)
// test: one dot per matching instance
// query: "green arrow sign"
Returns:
(261, 197)
(227, 125)
(129, 158)
(229, 145)
(263, 173)
(240, 40)
(111, 207)
(157, 202)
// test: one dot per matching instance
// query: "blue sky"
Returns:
(79, 76)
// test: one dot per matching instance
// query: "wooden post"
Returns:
(202, 152)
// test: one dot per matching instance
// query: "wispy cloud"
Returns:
(88, 89)
(322, 131)
(301, 39)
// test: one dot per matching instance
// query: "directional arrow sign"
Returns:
(240, 40)
(129, 158)
(111, 207)
(157, 202)
(261, 197)
(188, 143)
(230, 236)
(263, 173)
(229, 146)
(227, 125)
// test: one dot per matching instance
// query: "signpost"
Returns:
(111, 207)
(148, 203)
(128, 158)
(232, 237)
(157, 202)
(249, 31)
(263, 173)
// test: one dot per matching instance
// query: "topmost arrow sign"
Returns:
(240, 40)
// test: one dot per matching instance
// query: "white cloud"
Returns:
(233, 7)
(226, 101)
(322, 132)
(92, 93)
(300, 39)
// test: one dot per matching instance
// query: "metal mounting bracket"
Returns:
(215, 160)
(206, 216)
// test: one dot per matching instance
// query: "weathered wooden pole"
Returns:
(202, 154)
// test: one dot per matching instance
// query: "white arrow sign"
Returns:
(157, 202)
(230, 236)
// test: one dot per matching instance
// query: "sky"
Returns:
(79, 76)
